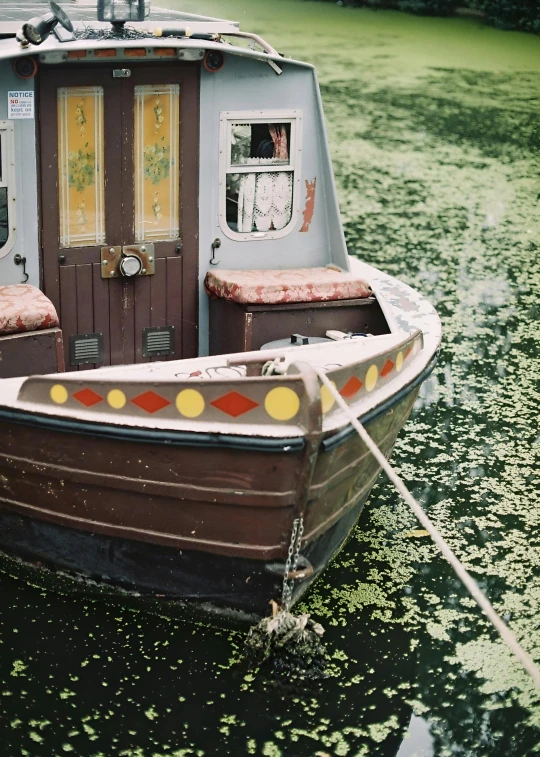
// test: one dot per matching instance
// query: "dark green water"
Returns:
(434, 131)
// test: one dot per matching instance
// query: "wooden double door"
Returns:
(119, 172)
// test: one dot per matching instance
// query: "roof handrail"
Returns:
(255, 37)
(198, 17)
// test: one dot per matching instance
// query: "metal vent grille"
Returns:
(85, 348)
(158, 340)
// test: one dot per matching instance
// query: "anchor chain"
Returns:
(291, 643)
(291, 563)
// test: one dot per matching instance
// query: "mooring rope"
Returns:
(469, 582)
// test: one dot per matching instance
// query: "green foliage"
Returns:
(428, 7)
(421, 7)
(513, 14)
(521, 15)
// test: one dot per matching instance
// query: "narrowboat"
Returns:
(173, 280)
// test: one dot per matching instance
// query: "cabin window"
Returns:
(259, 173)
(81, 177)
(7, 188)
(157, 168)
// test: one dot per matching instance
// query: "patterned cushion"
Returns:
(271, 287)
(25, 308)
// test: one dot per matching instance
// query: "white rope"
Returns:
(469, 582)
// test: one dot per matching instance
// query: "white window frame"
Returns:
(227, 119)
(7, 179)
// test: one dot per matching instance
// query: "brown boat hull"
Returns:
(208, 526)
(239, 589)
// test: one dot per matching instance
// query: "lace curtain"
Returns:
(265, 198)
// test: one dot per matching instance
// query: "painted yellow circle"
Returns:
(282, 403)
(59, 394)
(399, 361)
(190, 403)
(327, 399)
(116, 399)
(371, 378)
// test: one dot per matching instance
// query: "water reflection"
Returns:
(417, 741)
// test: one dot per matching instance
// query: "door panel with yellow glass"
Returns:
(119, 167)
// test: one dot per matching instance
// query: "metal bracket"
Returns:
(190, 54)
(19, 260)
(304, 569)
(216, 244)
(113, 260)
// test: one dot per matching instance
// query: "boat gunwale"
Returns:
(277, 432)
(256, 551)
(285, 445)
(333, 440)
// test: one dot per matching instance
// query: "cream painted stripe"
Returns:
(135, 163)
(176, 232)
(61, 136)
(142, 228)
(66, 170)
(101, 232)
(96, 158)
(168, 230)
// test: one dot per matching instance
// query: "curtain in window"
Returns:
(279, 138)
(265, 198)
(265, 201)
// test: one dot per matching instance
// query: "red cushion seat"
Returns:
(272, 287)
(23, 307)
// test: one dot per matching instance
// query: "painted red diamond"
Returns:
(150, 401)
(87, 397)
(387, 368)
(352, 386)
(234, 404)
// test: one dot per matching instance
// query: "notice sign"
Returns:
(21, 104)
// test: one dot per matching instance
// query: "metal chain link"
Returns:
(292, 562)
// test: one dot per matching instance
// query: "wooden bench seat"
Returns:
(24, 307)
(30, 340)
(250, 308)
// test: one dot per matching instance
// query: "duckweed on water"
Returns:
(433, 125)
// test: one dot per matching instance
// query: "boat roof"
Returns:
(90, 34)
(84, 12)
